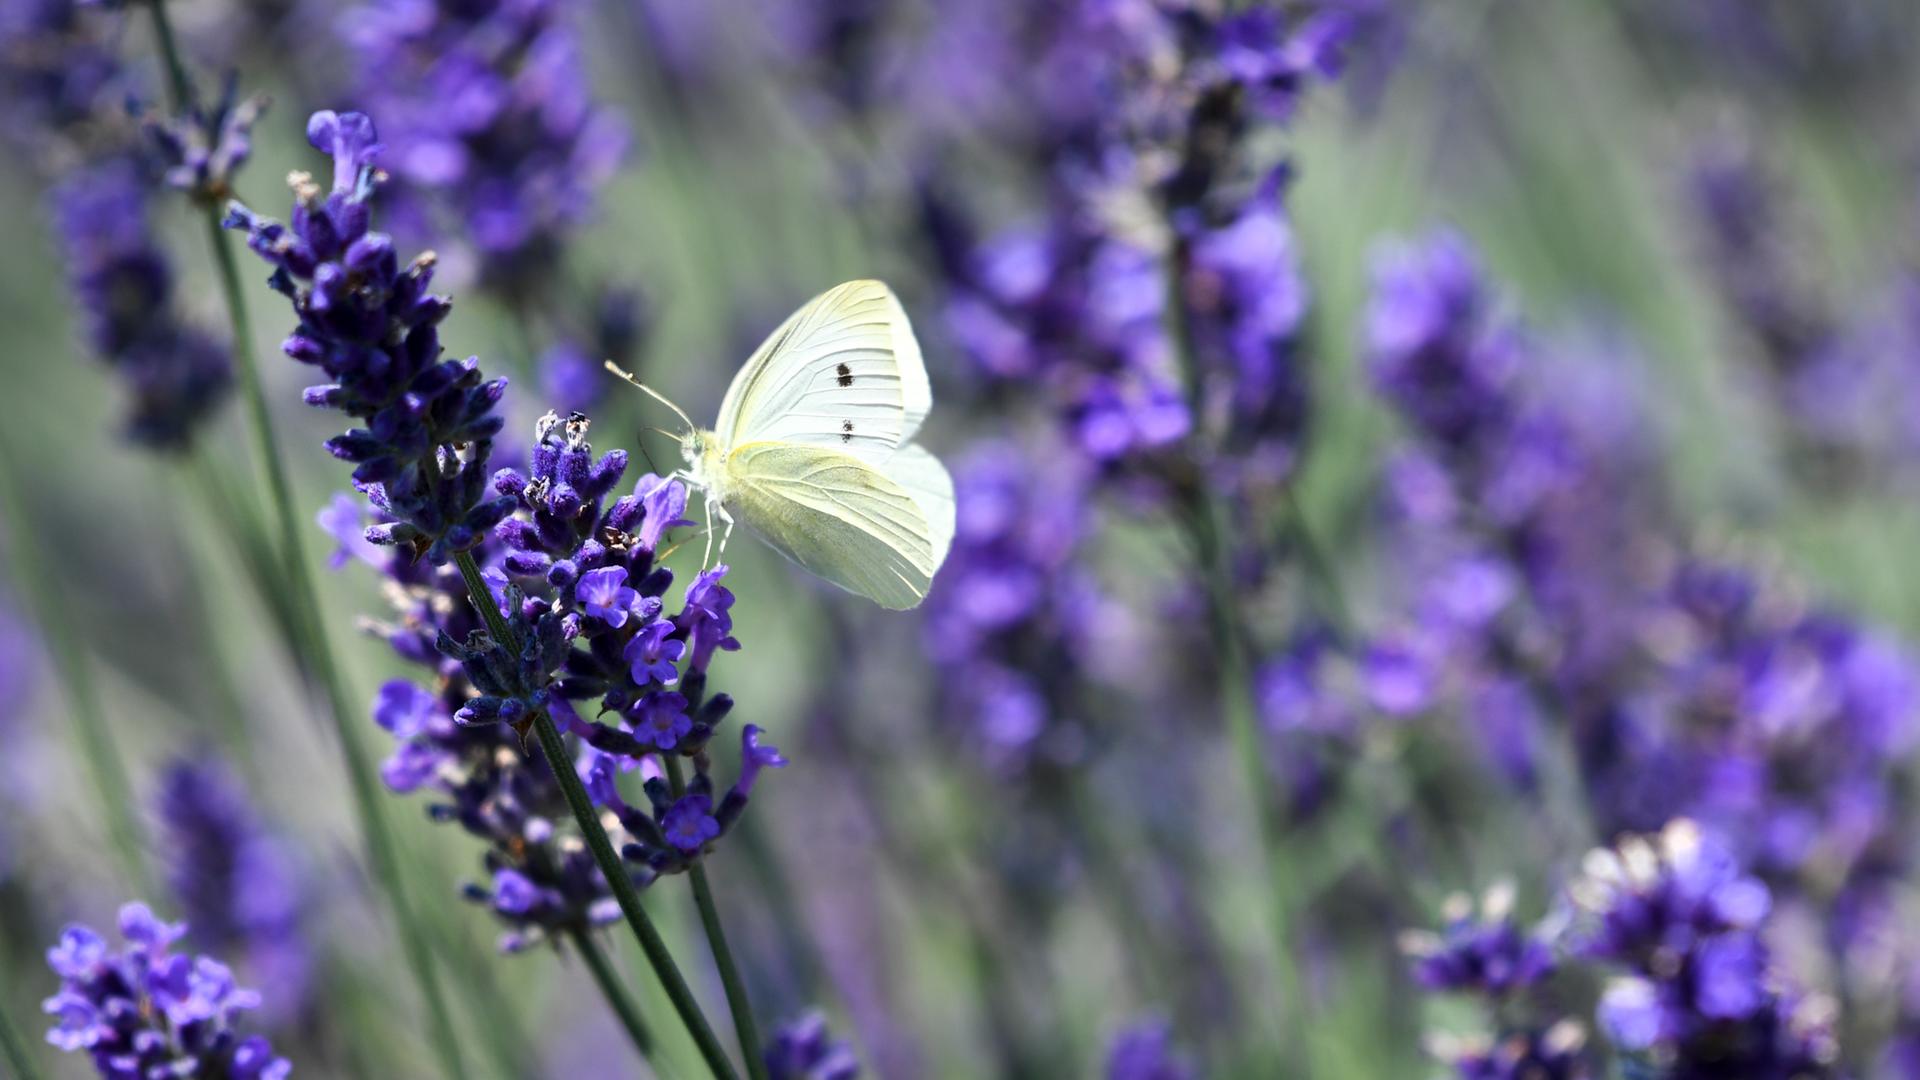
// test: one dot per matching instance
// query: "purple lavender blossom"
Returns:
(143, 1011)
(370, 324)
(1144, 1050)
(237, 883)
(1158, 118)
(571, 545)
(60, 78)
(604, 595)
(1014, 621)
(1553, 1053)
(488, 111)
(344, 519)
(1681, 917)
(1489, 955)
(202, 149)
(653, 652)
(803, 1049)
(176, 376)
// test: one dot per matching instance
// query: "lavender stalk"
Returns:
(1205, 521)
(308, 637)
(737, 1001)
(611, 988)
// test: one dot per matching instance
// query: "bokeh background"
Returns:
(1679, 243)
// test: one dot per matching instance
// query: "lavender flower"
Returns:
(565, 562)
(369, 324)
(1555, 1053)
(236, 882)
(1144, 1051)
(1505, 967)
(1013, 626)
(1490, 955)
(176, 375)
(1679, 915)
(804, 1050)
(1075, 303)
(60, 79)
(488, 111)
(144, 1011)
(202, 149)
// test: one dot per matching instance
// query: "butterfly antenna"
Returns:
(652, 393)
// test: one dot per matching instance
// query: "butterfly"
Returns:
(814, 449)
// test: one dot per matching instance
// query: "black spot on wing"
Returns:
(846, 427)
(845, 373)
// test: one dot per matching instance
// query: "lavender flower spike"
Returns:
(369, 324)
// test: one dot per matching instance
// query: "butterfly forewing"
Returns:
(843, 373)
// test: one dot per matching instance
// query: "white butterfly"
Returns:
(814, 449)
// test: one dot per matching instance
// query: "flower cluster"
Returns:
(124, 282)
(234, 880)
(540, 877)
(1488, 956)
(648, 669)
(1011, 623)
(488, 110)
(577, 580)
(143, 1011)
(1832, 366)
(1681, 919)
(60, 78)
(370, 324)
(1522, 521)
(803, 1049)
(1077, 303)
(203, 148)
(1144, 1050)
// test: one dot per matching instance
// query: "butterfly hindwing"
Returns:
(840, 518)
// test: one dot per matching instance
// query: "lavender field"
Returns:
(1406, 571)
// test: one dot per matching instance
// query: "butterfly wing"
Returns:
(922, 477)
(842, 518)
(842, 373)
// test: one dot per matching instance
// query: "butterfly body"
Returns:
(813, 449)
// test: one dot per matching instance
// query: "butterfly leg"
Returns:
(706, 557)
(726, 534)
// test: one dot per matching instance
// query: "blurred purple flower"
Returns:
(1144, 1050)
(176, 376)
(238, 883)
(488, 111)
(803, 1049)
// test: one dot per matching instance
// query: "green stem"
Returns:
(97, 744)
(615, 872)
(1207, 522)
(612, 989)
(179, 89)
(309, 639)
(13, 1051)
(738, 1003)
